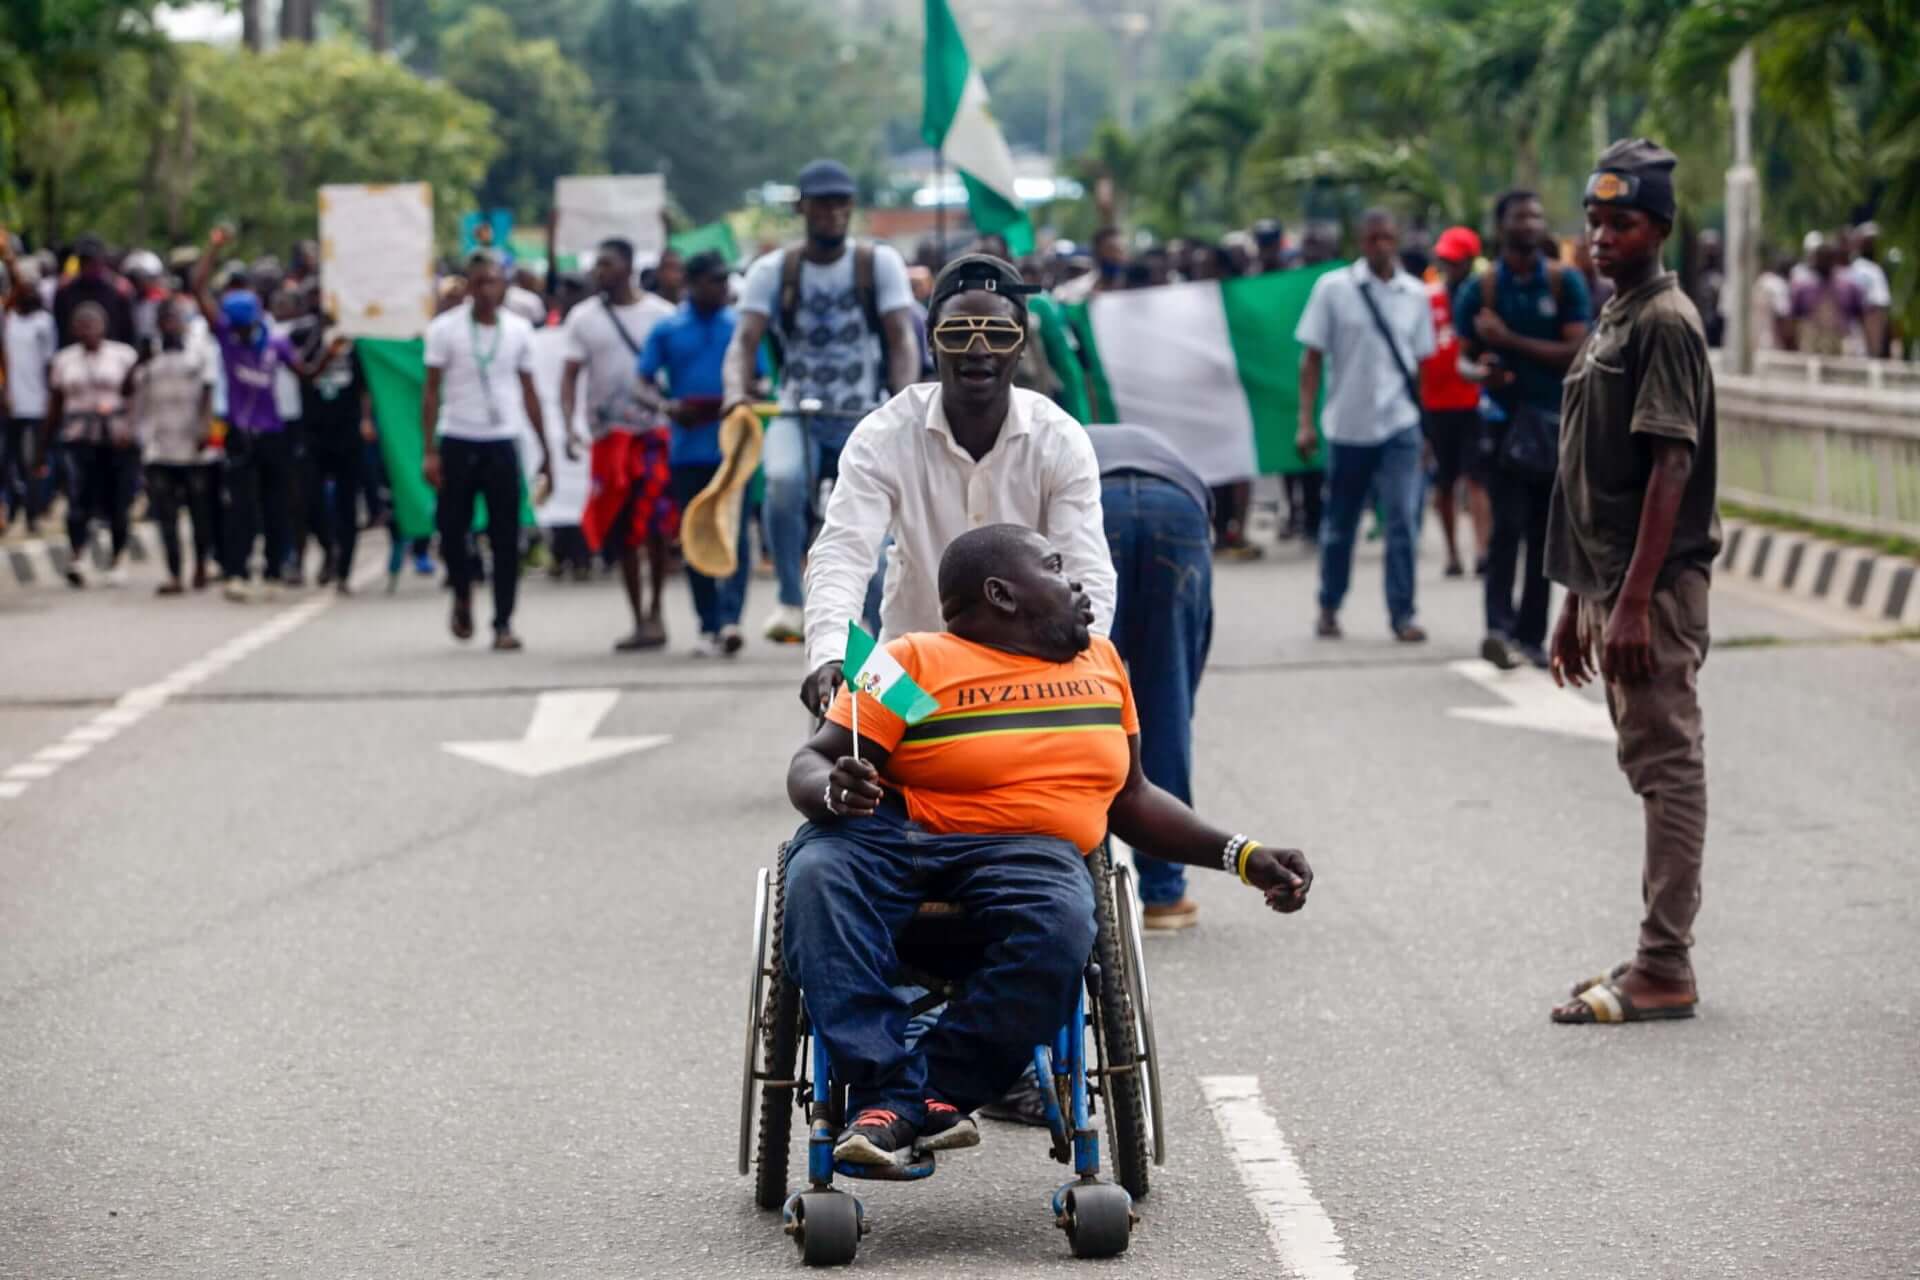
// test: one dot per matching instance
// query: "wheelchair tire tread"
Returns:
(1130, 1151)
(780, 1031)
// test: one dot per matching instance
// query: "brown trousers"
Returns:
(1662, 752)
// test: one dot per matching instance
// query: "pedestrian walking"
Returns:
(173, 417)
(1452, 408)
(28, 342)
(88, 385)
(841, 316)
(688, 352)
(479, 400)
(1523, 317)
(258, 478)
(1632, 535)
(1367, 328)
(336, 418)
(629, 507)
(1154, 507)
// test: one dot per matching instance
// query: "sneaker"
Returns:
(1410, 633)
(200, 577)
(237, 590)
(171, 587)
(1534, 654)
(460, 621)
(1496, 650)
(707, 646)
(731, 640)
(876, 1137)
(504, 641)
(1183, 914)
(787, 624)
(1328, 627)
(76, 573)
(1024, 1103)
(947, 1129)
(423, 565)
(115, 576)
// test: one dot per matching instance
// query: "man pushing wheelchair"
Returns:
(990, 802)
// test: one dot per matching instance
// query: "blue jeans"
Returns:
(1352, 470)
(797, 454)
(852, 886)
(1163, 627)
(717, 601)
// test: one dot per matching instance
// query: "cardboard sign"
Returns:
(376, 258)
(595, 208)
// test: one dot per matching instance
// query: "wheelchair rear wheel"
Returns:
(780, 1036)
(1120, 1087)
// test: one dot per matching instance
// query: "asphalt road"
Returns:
(286, 989)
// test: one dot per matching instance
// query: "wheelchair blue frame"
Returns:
(1065, 1058)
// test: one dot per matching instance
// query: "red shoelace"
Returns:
(875, 1116)
(937, 1108)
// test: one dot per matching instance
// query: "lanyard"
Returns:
(482, 362)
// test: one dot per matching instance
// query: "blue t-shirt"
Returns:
(1529, 309)
(691, 350)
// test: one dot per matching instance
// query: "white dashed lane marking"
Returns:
(1302, 1235)
(136, 705)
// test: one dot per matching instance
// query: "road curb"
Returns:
(1867, 584)
(38, 562)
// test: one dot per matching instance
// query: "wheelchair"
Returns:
(785, 1071)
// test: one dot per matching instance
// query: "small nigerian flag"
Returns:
(871, 670)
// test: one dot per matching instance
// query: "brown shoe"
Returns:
(1183, 914)
(461, 620)
(505, 641)
(1328, 628)
(1410, 633)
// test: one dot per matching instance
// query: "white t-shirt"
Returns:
(832, 355)
(90, 384)
(286, 383)
(480, 373)
(1872, 279)
(606, 360)
(31, 344)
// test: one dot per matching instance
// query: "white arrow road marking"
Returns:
(1533, 702)
(1301, 1233)
(560, 737)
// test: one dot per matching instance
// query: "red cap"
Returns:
(1457, 244)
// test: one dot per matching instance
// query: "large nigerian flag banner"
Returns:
(1213, 365)
(954, 121)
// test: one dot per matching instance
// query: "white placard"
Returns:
(571, 480)
(376, 258)
(593, 208)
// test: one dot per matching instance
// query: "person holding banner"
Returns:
(478, 400)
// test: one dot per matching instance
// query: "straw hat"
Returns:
(710, 526)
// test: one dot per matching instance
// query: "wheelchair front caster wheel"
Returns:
(1099, 1220)
(826, 1227)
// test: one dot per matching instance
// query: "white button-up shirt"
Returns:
(1367, 401)
(902, 473)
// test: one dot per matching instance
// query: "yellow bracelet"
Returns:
(1246, 850)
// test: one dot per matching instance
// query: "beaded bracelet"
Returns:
(1230, 855)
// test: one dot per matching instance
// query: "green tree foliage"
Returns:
(543, 109)
(170, 146)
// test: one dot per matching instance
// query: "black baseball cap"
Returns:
(1637, 173)
(1267, 231)
(983, 272)
(826, 178)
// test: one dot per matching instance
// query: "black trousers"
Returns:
(171, 487)
(489, 470)
(101, 480)
(257, 492)
(334, 475)
(1520, 501)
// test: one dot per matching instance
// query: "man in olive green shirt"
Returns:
(1632, 531)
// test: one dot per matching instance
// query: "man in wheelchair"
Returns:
(989, 803)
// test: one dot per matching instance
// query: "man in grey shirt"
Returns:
(1373, 325)
(1159, 529)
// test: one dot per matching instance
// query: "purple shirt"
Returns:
(249, 372)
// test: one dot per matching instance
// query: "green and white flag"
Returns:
(955, 121)
(1212, 365)
(871, 670)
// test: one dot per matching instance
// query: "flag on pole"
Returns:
(873, 671)
(956, 122)
(1211, 364)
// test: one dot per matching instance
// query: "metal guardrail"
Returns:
(1833, 440)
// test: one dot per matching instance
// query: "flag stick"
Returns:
(853, 691)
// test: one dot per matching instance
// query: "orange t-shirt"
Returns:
(1019, 746)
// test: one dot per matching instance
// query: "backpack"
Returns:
(787, 304)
